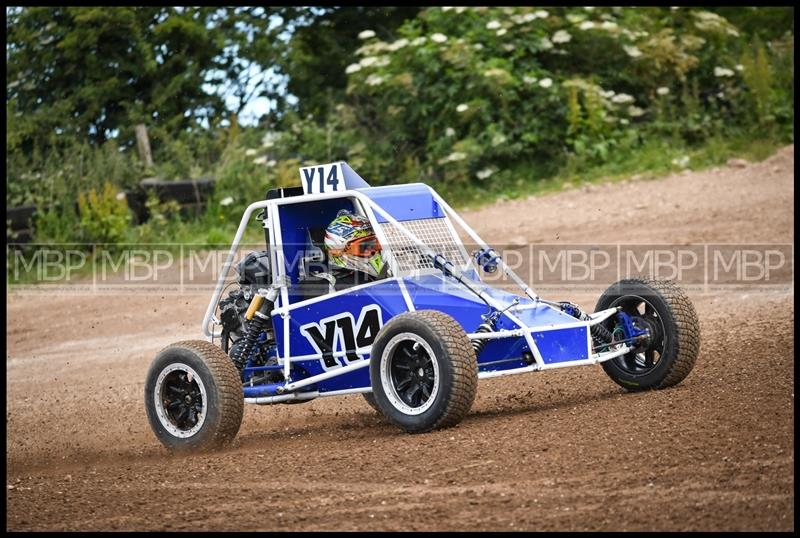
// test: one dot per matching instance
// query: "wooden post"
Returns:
(143, 143)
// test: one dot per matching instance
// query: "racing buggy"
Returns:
(413, 336)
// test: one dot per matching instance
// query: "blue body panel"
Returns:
(441, 293)
(437, 292)
(561, 345)
(325, 324)
(405, 202)
(383, 296)
(296, 219)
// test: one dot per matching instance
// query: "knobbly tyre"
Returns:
(414, 337)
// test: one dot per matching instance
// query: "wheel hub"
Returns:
(649, 348)
(411, 373)
(653, 333)
(181, 397)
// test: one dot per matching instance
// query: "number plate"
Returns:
(322, 178)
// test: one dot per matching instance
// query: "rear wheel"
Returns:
(423, 371)
(663, 309)
(193, 397)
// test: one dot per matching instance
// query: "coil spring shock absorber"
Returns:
(255, 323)
(485, 327)
(599, 333)
(489, 325)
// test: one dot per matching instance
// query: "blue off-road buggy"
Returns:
(414, 341)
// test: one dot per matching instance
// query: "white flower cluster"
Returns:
(529, 17)
(712, 22)
(485, 173)
(366, 34)
(632, 51)
(372, 48)
(397, 45)
(438, 38)
(263, 160)
(455, 156)
(635, 34)
(562, 36)
(723, 72)
(374, 80)
(545, 83)
(268, 140)
(622, 98)
(495, 72)
(683, 162)
(493, 25)
(498, 139)
(663, 90)
(463, 107)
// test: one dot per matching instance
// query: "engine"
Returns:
(249, 342)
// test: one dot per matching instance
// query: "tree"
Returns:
(86, 73)
(324, 43)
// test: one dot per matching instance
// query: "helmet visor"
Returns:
(363, 247)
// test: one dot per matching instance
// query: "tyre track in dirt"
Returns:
(563, 450)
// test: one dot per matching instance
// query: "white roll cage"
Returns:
(277, 261)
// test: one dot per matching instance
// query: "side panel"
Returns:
(405, 202)
(296, 220)
(342, 322)
(562, 345)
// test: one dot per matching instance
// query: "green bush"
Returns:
(478, 102)
(466, 91)
(104, 215)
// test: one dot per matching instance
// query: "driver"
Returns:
(353, 250)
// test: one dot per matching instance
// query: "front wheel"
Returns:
(370, 399)
(423, 370)
(667, 356)
(193, 397)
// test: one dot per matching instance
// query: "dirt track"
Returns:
(563, 450)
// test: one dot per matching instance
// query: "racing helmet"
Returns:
(352, 245)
